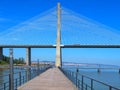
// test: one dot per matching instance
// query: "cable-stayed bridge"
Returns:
(56, 28)
(73, 31)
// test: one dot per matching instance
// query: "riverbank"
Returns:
(2, 67)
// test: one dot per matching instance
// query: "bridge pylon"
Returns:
(58, 48)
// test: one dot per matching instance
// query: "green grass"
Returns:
(3, 62)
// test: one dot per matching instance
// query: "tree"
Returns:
(15, 61)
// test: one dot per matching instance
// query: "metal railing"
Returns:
(83, 82)
(21, 77)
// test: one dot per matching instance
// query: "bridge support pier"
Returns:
(28, 56)
(28, 63)
(11, 76)
(1, 53)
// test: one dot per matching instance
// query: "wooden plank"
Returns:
(52, 79)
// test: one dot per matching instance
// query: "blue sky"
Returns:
(104, 11)
(13, 12)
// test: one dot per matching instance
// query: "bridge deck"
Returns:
(52, 79)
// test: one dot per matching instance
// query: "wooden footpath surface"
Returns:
(52, 79)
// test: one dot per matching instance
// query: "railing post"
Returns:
(91, 84)
(27, 74)
(110, 88)
(82, 82)
(23, 80)
(98, 70)
(16, 82)
(77, 76)
(86, 87)
(11, 78)
(4, 86)
(38, 67)
(19, 78)
(9, 82)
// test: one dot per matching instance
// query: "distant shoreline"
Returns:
(2, 67)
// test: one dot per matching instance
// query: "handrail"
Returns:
(74, 75)
(21, 78)
(99, 81)
(15, 67)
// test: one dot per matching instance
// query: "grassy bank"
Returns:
(3, 62)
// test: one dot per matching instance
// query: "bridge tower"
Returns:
(58, 48)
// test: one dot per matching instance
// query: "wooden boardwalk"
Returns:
(52, 79)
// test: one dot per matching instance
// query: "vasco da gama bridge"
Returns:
(73, 31)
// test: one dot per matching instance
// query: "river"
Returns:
(110, 77)
(108, 74)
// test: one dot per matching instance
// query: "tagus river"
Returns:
(4, 77)
(107, 76)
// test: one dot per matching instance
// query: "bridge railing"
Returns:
(20, 77)
(83, 82)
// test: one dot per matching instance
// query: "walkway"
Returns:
(52, 79)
